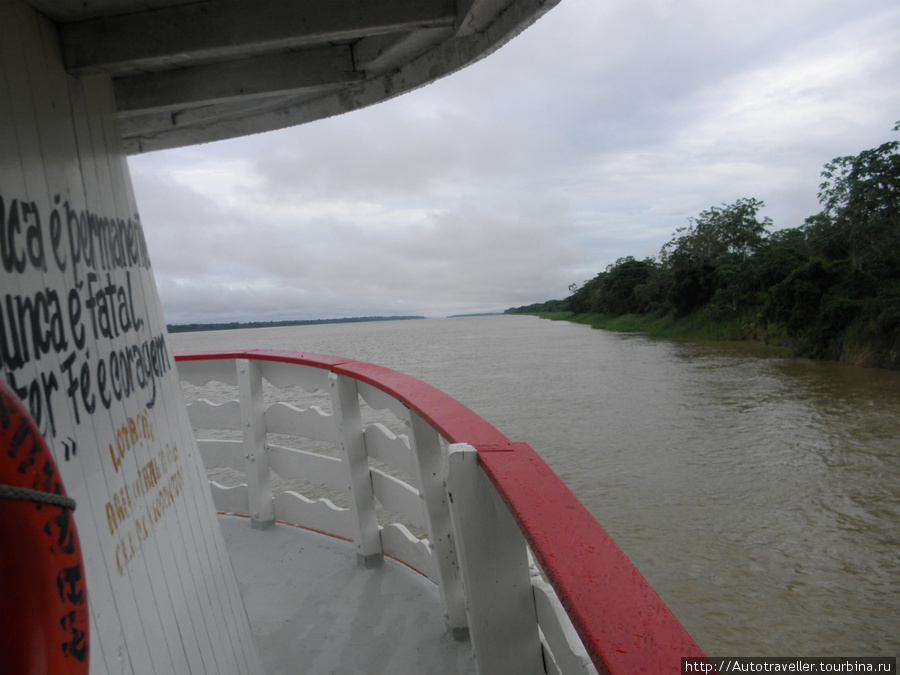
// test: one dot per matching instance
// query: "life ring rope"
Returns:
(30, 495)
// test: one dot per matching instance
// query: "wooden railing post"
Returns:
(256, 459)
(425, 445)
(493, 561)
(345, 404)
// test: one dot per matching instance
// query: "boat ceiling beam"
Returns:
(474, 16)
(252, 78)
(194, 71)
(143, 123)
(220, 29)
(380, 53)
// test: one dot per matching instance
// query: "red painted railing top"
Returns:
(622, 622)
(452, 419)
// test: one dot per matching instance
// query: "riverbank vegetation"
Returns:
(828, 289)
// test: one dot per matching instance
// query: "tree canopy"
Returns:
(829, 286)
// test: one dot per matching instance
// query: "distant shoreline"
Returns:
(467, 316)
(236, 325)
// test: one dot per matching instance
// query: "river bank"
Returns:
(856, 349)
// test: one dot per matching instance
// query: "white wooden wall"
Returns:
(82, 338)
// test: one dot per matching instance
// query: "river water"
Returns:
(759, 495)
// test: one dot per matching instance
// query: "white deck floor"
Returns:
(313, 610)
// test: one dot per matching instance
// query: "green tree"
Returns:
(617, 292)
(582, 298)
(860, 221)
(711, 253)
(735, 286)
(731, 228)
(782, 253)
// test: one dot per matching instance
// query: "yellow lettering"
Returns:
(133, 432)
(141, 530)
(115, 460)
(124, 553)
(146, 427)
(111, 518)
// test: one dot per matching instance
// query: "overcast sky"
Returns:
(591, 136)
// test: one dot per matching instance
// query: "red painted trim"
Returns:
(288, 524)
(622, 622)
(452, 419)
(449, 417)
(298, 358)
(619, 617)
(327, 534)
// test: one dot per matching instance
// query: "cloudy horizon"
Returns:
(591, 136)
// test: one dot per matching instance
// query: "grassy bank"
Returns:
(857, 346)
(692, 327)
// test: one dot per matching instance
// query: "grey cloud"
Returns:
(592, 135)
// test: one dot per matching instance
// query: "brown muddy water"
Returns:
(758, 494)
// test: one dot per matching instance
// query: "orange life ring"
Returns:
(43, 595)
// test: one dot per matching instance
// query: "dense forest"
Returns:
(829, 288)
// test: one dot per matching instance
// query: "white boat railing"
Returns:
(402, 470)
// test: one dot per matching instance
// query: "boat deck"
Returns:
(313, 610)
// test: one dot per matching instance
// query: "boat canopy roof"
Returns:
(188, 72)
